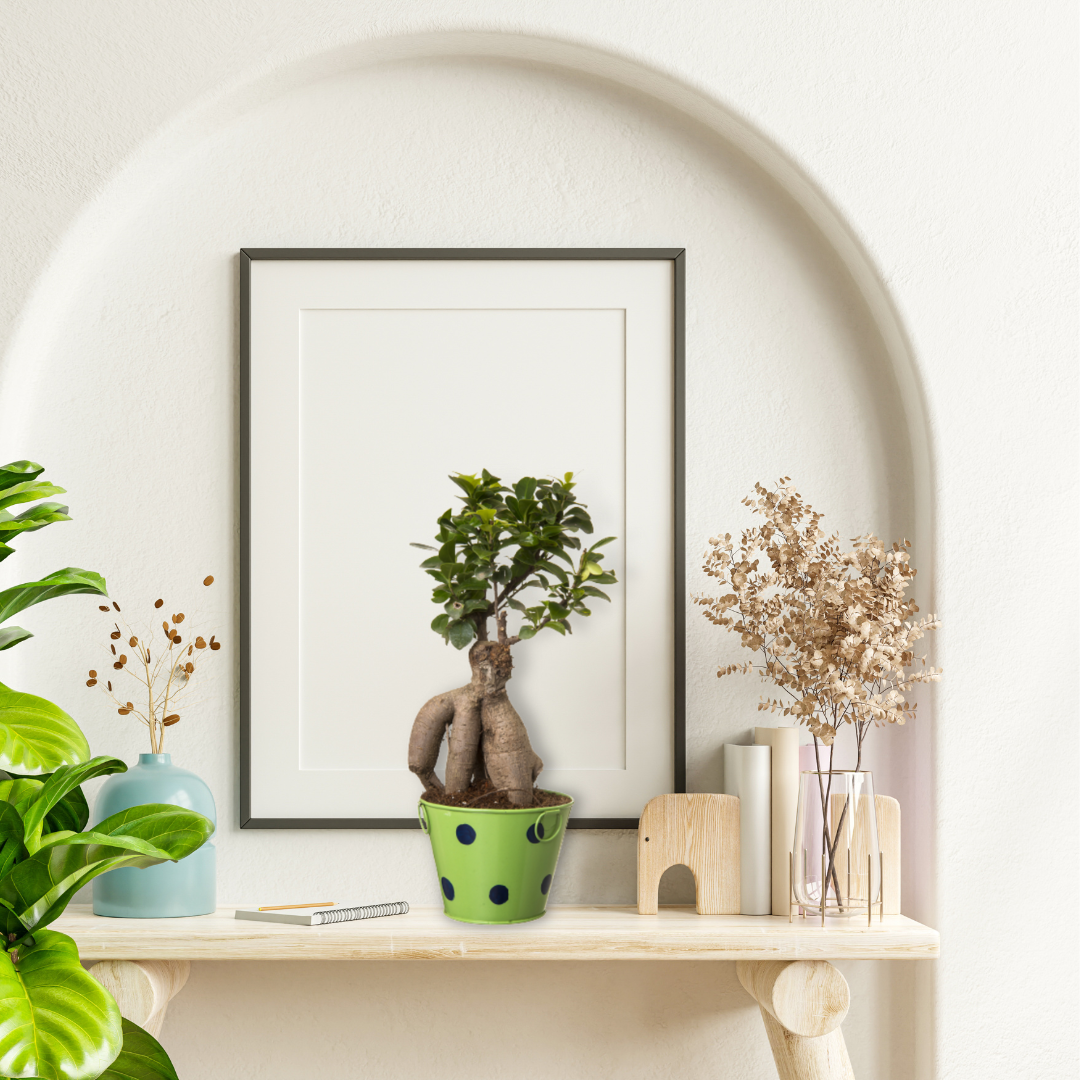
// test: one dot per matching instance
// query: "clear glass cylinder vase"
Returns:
(836, 843)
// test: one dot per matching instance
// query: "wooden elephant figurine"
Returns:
(697, 831)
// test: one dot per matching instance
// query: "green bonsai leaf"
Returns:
(62, 781)
(59, 1023)
(140, 1058)
(12, 635)
(38, 888)
(37, 736)
(461, 633)
(66, 582)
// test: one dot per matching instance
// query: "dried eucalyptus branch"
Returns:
(834, 629)
(164, 679)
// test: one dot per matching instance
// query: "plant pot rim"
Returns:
(506, 809)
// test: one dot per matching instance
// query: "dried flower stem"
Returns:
(835, 630)
(162, 690)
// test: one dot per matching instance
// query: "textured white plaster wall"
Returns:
(141, 146)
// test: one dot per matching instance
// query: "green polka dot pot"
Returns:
(494, 866)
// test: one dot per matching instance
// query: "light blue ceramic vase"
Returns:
(168, 890)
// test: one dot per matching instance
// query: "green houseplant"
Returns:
(56, 1021)
(495, 835)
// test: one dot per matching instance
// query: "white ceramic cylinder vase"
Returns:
(748, 774)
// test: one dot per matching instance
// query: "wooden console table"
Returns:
(783, 966)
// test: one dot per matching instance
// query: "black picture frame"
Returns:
(248, 255)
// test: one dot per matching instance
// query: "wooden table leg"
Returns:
(803, 1003)
(143, 988)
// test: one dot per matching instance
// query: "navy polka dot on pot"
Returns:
(499, 894)
(448, 889)
(532, 834)
(545, 884)
(466, 834)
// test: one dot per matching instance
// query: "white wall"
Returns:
(932, 397)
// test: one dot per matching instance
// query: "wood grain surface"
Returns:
(697, 831)
(565, 933)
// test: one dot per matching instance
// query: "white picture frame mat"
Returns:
(639, 292)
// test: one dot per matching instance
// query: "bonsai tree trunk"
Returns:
(487, 737)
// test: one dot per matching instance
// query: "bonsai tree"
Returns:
(56, 1021)
(502, 543)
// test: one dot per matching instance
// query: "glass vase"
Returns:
(836, 843)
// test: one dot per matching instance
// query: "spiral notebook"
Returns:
(321, 916)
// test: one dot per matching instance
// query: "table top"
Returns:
(565, 933)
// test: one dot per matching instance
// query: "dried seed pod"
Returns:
(93, 673)
(103, 607)
(109, 685)
(133, 642)
(123, 659)
(129, 704)
(115, 635)
(178, 618)
(170, 720)
(208, 580)
(116, 605)
(123, 712)
(166, 628)
(113, 647)
(189, 667)
(118, 666)
(158, 603)
(200, 643)
(215, 645)
(189, 648)
(91, 682)
(176, 638)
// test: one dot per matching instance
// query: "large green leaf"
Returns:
(27, 491)
(37, 890)
(56, 1021)
(21, 791)
(37, 736)
(11, 837)
(142, 1058)
(64, 780)
(72, 812)
(18, 472)
(12, 635)
(64, 582)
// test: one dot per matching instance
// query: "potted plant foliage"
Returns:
(56, 1021)
(495, 835)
